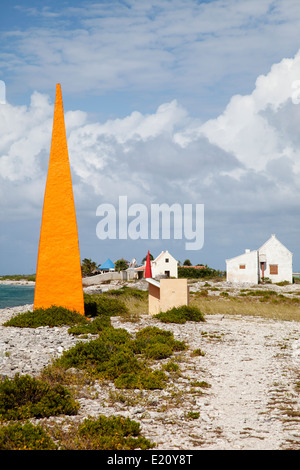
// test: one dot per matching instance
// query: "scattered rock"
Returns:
(251, 365)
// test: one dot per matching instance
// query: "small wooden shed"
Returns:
(166, 294)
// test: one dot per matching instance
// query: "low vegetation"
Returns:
(155, 343)
(181, 315)
(200, 273)
(93, 327)
(135, 300)
(25, 397)
(113, 433)
(94, 305)
(18, 436)
(102, 433)
(52, 316)
(126, 291)
(132, 362)
(101, 304)
(265, 303)
(127, 302)
(18, 277)
(116, 356)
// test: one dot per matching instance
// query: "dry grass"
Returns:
(260, 303)
(136, 307)
(281, 310)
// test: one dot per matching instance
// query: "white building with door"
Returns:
(272, 260)
(165, 265)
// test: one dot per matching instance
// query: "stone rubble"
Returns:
(28, 350)
(252, 367)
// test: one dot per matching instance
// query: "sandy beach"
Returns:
(22, 282)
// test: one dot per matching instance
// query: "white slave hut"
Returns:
(272, 260)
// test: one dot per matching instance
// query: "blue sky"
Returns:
(170, 101)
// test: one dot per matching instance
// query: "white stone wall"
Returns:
(276, 253)
(272, 252)
(160, 265)
(250, 274)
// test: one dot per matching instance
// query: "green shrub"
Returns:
(171, 367)
(23, 397)
(99, 304)
(84, 355)
(181, 315)
(135, 301)
(94, 326)
(151, 338)
(90, 305)
(264, 293)
(19, 277)
(26, 436)
(108, 356)
(153, 380)
(282, 283)
(129, 380)
(201, 384)
(143, 379)
(126, 291)
(192, 415)
(113, 433)
(114, 355)
(52, 316)
(194, 273)
(120, 363)
(198, 352)
(158, 351)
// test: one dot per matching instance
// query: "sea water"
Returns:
(12, 295)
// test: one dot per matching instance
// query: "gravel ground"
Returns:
(252, 367)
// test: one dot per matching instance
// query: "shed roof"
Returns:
(107, 265)
(153, 282)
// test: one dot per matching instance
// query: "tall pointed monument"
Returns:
(148, 270)
(58, 274)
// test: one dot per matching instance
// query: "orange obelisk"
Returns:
(58, 273)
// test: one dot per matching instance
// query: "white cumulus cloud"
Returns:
(247, 126)
(251, 150)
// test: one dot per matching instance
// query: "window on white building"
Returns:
(273, 268)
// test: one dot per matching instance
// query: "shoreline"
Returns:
(22, 282)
